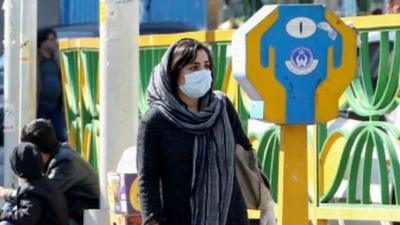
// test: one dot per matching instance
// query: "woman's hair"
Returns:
(185, 52)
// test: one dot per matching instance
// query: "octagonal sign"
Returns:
(294, 62)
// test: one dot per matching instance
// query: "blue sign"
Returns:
(301, 52)
(286, 57)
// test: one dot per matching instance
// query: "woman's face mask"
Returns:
(195, 78)
(197, 84)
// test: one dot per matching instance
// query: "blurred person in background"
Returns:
(393, 7)
(49, 83)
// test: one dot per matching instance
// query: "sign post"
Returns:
(294, 62)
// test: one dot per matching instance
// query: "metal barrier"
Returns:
(350, 157)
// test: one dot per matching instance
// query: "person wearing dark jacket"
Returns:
(38, 201)
(186, 144)
(73, 175)
(49, 82)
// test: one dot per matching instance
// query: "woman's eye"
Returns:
(207, 66)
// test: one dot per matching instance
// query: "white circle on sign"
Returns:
(301, 27)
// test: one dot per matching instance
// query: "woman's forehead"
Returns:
(201, 56)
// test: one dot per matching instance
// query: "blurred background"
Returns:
(194, 14)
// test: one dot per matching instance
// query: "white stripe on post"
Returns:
(12, 12)
(28, 51)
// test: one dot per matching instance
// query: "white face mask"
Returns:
(197, 84)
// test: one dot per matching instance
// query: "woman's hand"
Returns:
(268, 215)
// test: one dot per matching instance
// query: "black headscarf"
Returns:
(26, 161)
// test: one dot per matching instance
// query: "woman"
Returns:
(186, 144)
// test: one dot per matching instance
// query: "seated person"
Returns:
(38, 200)
(73, 175)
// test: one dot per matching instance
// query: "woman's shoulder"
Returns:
(152, 116)
(227, 102)
(222, 96)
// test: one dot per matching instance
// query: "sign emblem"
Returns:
(301, 61)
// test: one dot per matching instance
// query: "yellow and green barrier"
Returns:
(348, 155)
(356, 157)
(363, 98)
(70, 70)
(268, 155)
(80, 78)
(372, 136)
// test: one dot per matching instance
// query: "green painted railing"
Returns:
(363, 97)
(268, 155)
(370, 97)
(365, 140)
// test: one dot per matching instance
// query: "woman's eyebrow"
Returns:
(202, 62)
(198, 63)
